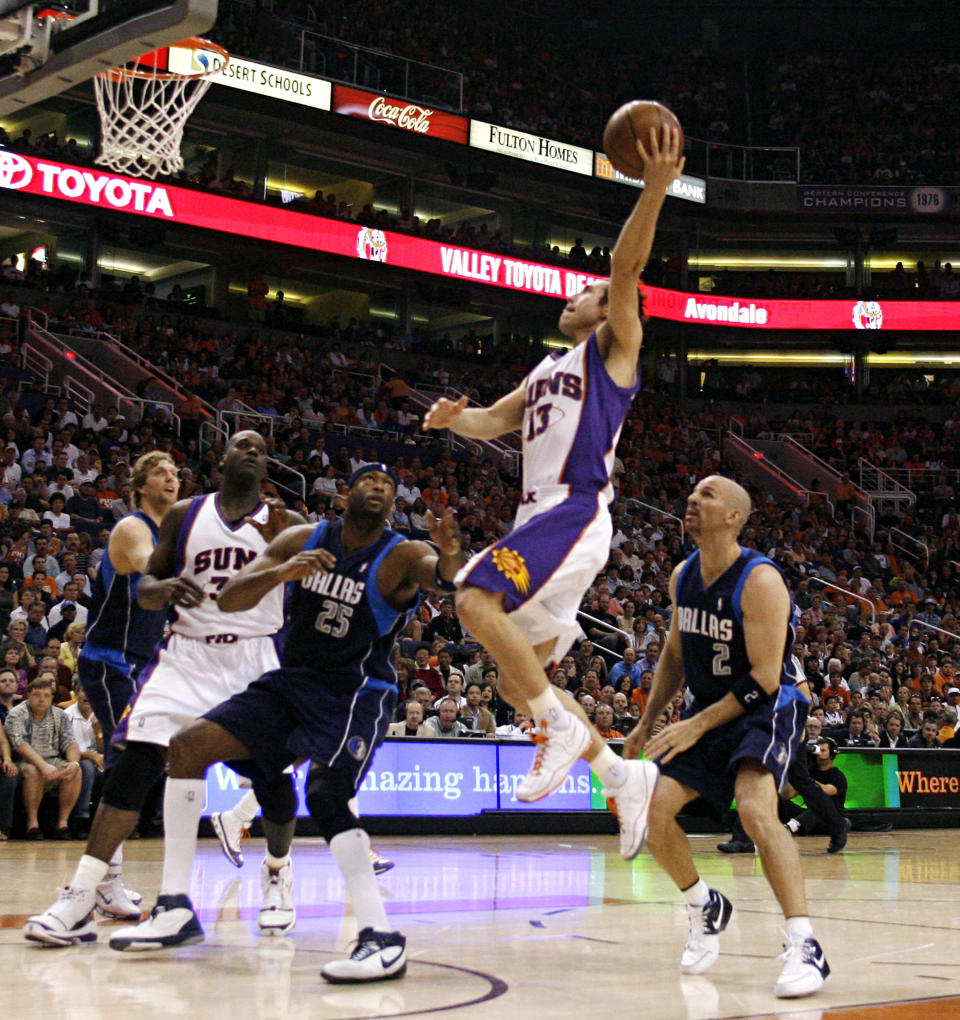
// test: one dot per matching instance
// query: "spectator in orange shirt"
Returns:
(844, 495)
(642, 693)
(900, 593)
(105, 496)
(603, 720)
(946, 676)
(39, 580)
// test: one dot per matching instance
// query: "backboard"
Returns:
(46, 48)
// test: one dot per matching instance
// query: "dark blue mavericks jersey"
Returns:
(340, 627)
(119, 632)
(711, 628)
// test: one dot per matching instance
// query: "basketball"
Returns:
(630, 124)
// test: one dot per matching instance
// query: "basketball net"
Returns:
(144, 107)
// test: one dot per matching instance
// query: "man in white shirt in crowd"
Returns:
(12, 472)
(86, 732)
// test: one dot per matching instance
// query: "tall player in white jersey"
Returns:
(520, 596)
(202, 543)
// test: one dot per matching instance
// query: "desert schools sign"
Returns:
(263, 79)
(545, 151)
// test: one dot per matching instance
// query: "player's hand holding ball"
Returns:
(644, 140)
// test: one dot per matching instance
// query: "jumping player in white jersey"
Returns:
(731, 640)
(520, 596)
(202, 543)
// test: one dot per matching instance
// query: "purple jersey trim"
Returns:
(605, 406)
(185, 528)
(226, 522)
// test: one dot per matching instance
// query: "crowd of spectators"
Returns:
(856, 119)
(859, 120)
(64, 481)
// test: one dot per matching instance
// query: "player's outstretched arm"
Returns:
(506, 415)
(283, 560)
(663, 161)
(423, 565)
(159, 587)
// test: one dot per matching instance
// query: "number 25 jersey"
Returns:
(339, 625)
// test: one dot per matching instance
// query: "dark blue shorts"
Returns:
(772, 736)
(290, 714)
(109, 690)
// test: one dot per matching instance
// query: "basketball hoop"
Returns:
(144, 107)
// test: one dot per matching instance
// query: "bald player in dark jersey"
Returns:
(731, 640)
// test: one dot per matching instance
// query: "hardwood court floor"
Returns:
(525, 927)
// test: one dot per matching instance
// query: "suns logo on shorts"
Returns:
(514, 567)
(781, 753)
(357, 748)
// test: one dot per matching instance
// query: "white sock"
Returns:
(611, 769)
(548, 706)
(793, 825)
(352, 851)
(246, 808)
(698, 895)
(182, 807)
(89, 873)
(276, 863)
(799, 928)
(116, 864)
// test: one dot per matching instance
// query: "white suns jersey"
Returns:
(209, 552)
(571, 422)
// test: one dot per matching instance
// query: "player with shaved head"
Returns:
(730, 638)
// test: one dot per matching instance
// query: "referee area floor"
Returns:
(497, 927)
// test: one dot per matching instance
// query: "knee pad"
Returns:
(328, 798)
(278, 798)
(134, 772)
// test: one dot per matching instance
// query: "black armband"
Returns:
(442, 583)
(748, 692)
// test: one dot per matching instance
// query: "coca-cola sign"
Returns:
(399, 113)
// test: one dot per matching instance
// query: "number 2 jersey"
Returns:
(339, 625)
(710, 622)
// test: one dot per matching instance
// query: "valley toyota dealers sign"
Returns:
(175, 204)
